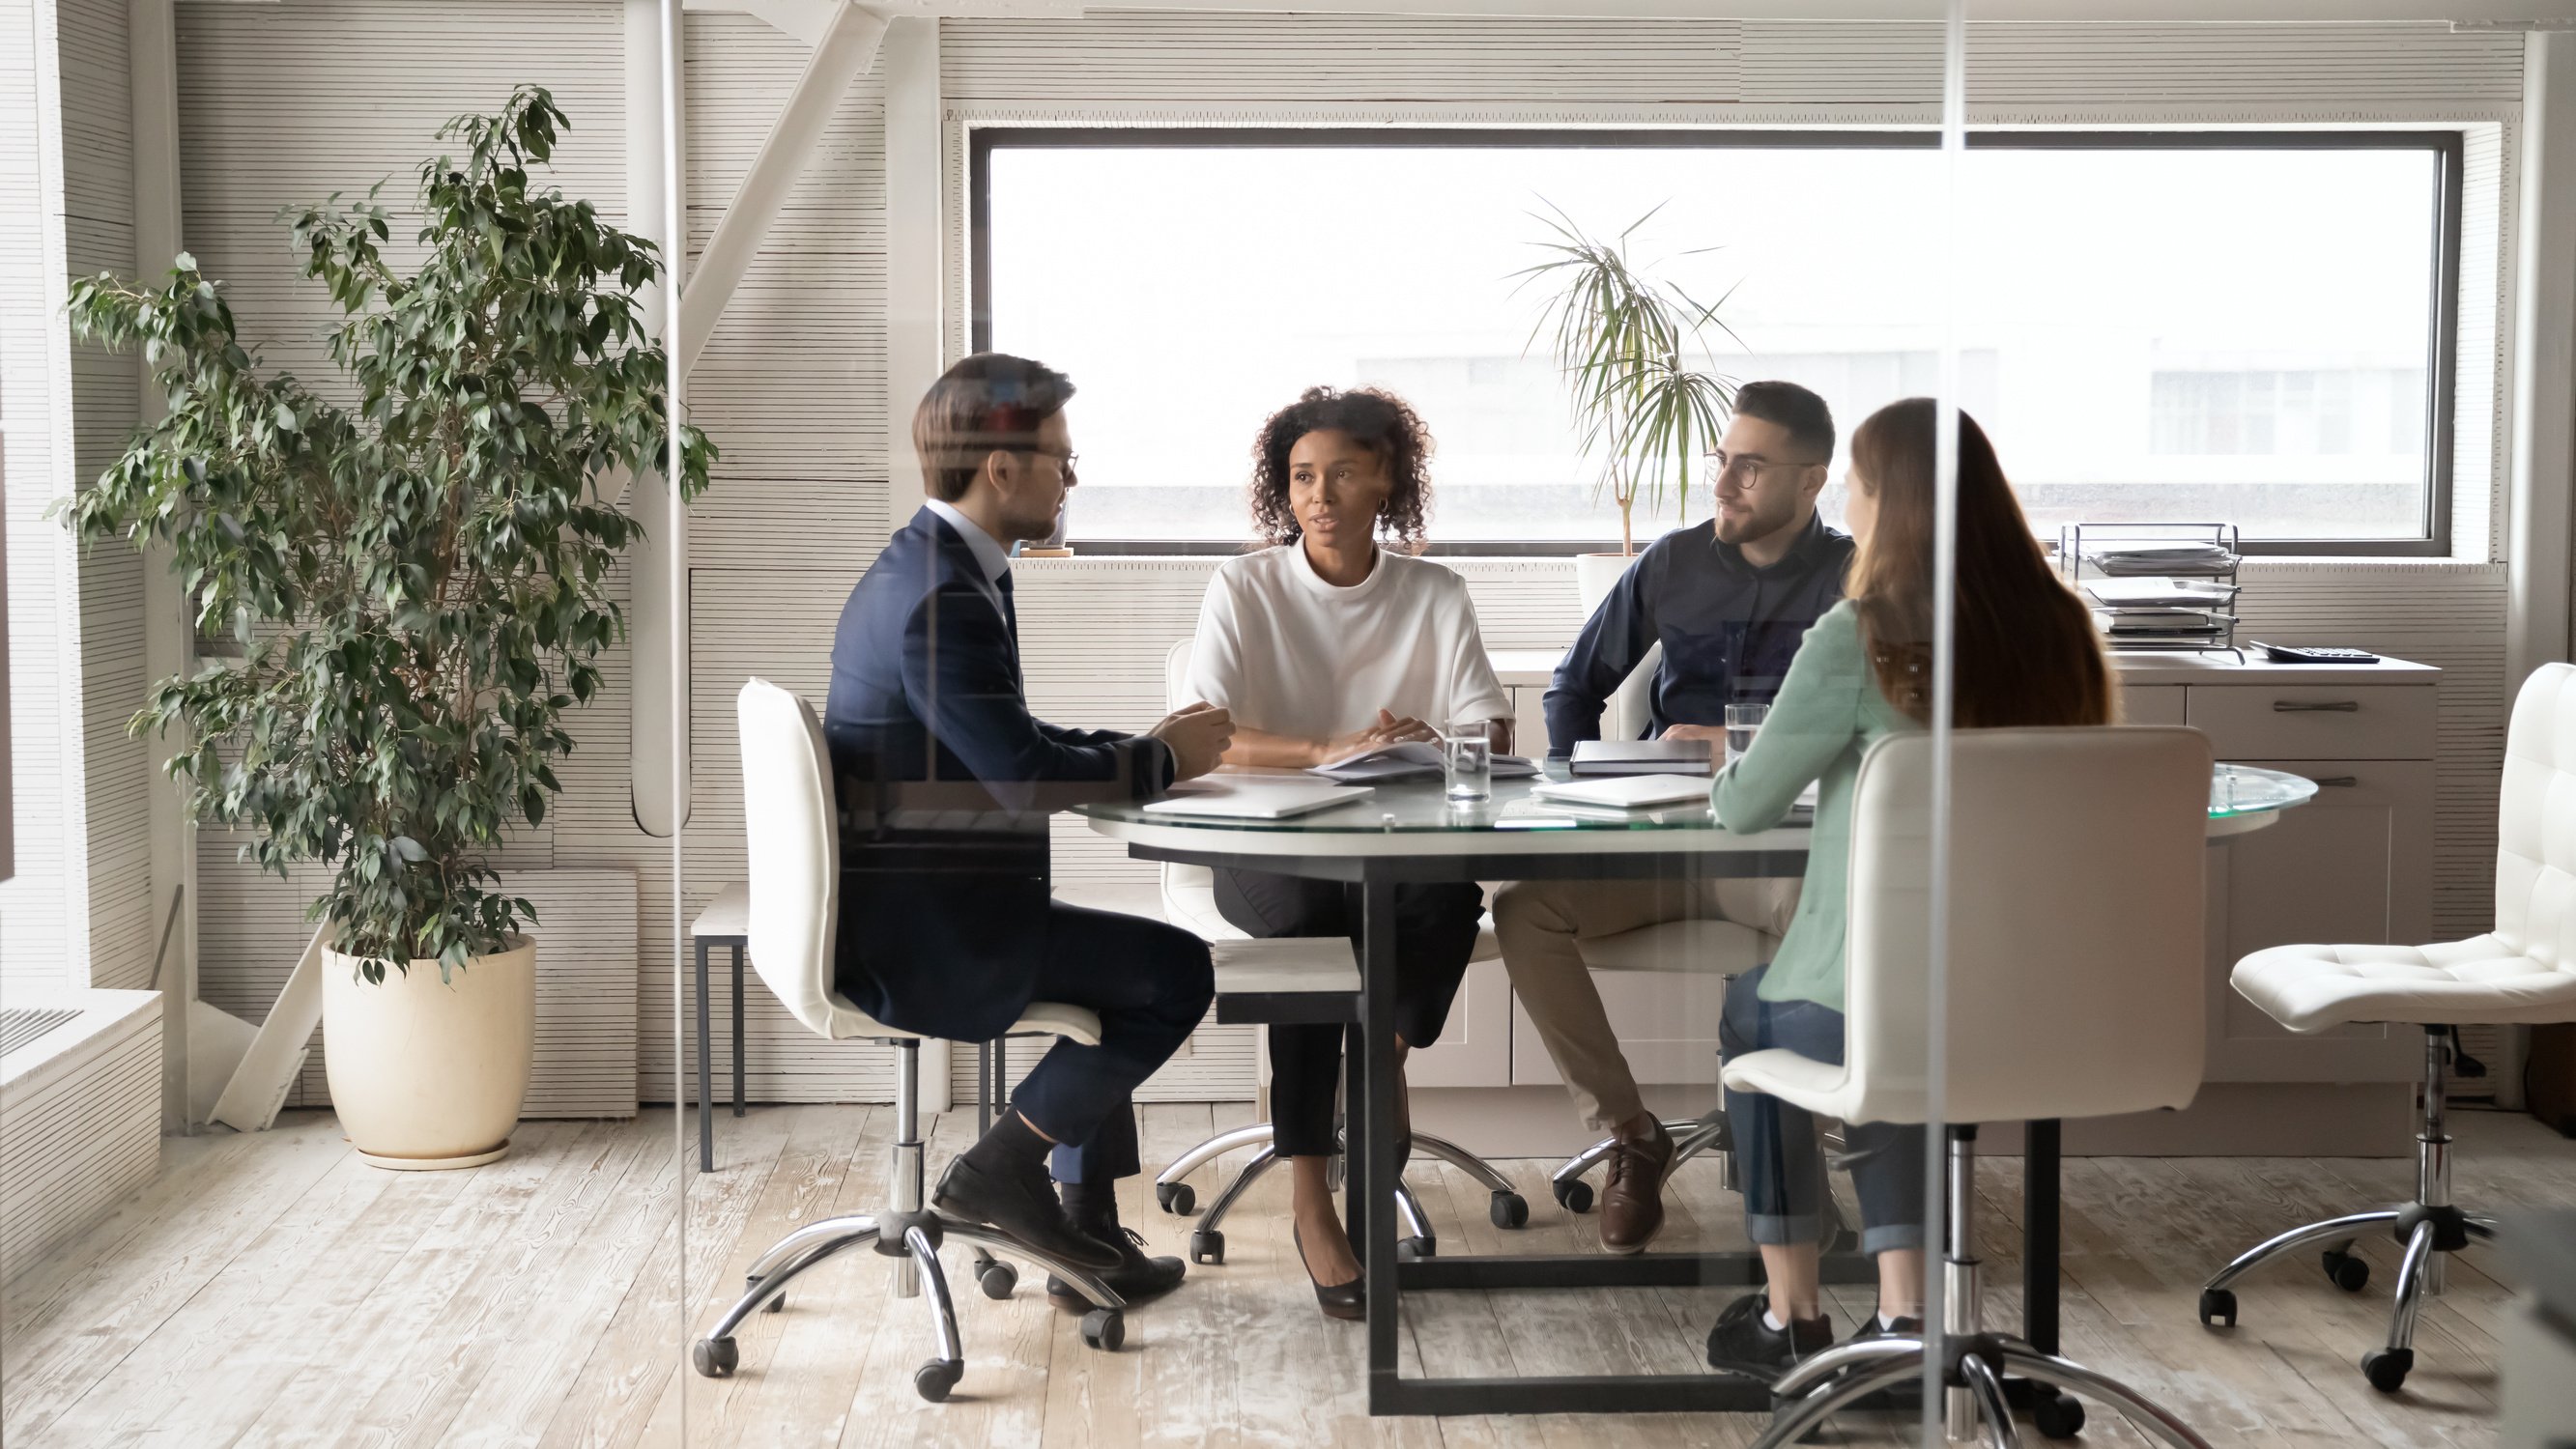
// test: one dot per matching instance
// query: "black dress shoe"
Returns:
(1347, 1301)
(1136, 1278)
(1023, 1205)
(1870, 1327)
(1742, 1343)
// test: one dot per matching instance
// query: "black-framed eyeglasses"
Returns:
(1067, 460)
(1745, 470)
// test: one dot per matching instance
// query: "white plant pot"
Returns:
(425, 1073)
(1595, 573)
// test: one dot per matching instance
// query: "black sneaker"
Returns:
(1022, 1204)
(1136, 1278)
(1742, 1343)
(1871, 1327)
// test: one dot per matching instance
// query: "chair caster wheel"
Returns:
(716, 1358)
(2386, 1368)
(1507, 1210)
(2057, 1416)
(2217, 1303)
(2349, 1273)
(1414, 1250)
(1574, 1195)
(936, 1377)
(774, 1305)
(1178, 1198)
(997, 1279)
(1207, 1245)
(1104, 1329)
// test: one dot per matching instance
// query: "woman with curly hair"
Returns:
(1323, 644)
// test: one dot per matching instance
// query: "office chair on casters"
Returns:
(2523, 972)
(1189, 901)
(2073, 988)
(791, 825)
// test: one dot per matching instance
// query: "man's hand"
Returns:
(1714, 734)
(1198, 734)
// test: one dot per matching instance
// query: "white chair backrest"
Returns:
(795, 847)
(1629, 709)
(2076, 972)
(1176, 692)
(2536, 820)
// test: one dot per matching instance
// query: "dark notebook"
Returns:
(1641, 757)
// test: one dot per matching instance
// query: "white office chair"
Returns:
(792, 829)
(2074, 988)
(1189, 902)
(2524, 971)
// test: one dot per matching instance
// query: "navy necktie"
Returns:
(1011, 623)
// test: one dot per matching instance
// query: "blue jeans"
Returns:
(1778, 1157)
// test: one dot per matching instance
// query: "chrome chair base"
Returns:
(913, 1235)
(1505, 1207)
(2429, 1227)
(1692, 1137)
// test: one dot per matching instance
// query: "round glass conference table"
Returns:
(1404, 832)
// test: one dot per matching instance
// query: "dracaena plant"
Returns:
(415, 576)
(1623, 341)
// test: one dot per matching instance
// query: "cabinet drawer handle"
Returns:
(2331, 706)
(2336, 782)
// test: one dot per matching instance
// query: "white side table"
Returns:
(725, 922)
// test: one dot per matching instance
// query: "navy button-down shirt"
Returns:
(1729, 629)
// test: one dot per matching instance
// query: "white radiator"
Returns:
(80, 1114)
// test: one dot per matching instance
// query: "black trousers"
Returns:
(1151, 984)
(1435, 933)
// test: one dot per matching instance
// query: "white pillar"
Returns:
(169, 628)
(2544, 362)
(916, 318)
(657, 613)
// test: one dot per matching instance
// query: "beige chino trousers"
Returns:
(1542, 925)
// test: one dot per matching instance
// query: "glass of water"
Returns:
(1743, 721)
(1467, 759)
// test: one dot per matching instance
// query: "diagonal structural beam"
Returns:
(849, 44)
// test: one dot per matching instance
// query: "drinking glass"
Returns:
(1467, 760)
(1743, 721)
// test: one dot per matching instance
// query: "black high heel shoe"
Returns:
(1348, 1301)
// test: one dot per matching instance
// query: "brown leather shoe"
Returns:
(1632, 1196)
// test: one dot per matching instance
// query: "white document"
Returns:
(1406, 761)
(1249, 801)
(1629, 792)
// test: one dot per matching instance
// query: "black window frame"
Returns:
(2441, 365)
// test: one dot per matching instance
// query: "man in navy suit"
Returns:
(947, 926)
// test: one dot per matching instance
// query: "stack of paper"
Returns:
(1405, 761)
(2133, 560)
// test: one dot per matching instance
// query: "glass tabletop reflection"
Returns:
(2235, 793)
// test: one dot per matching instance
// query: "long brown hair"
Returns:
(2026, 647)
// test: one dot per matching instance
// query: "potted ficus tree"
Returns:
(416, 584)
(1623, 341)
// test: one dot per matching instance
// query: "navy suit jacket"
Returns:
(945, 780)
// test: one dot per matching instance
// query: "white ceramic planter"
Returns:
(425, 1073)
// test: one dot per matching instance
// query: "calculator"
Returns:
(2313, 654)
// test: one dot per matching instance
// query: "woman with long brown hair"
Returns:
(2026, 654)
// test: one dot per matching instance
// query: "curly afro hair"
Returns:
(1383, 423)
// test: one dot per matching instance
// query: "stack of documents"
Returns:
(2160, 593)
(1406, 761)
(2135, 560)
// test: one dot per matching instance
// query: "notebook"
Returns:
(1265, 801)
(1629, 792)
(1406, 761)
(1641, 757)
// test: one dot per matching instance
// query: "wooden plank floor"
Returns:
(273, 1290)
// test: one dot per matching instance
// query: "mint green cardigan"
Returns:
(1828, 713)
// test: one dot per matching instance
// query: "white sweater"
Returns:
(1292, 655)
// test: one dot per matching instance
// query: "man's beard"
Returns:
(1750, 526)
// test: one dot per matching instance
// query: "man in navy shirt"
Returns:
(1728, 601)
(946, 925)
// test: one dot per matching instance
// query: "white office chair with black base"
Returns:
(2073, 988)
(791, 826)
(1189, 902)
(2523, 972)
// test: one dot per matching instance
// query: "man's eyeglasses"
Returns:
(1066, 461)
(1743, 470)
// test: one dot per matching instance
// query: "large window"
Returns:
(2194, 327)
